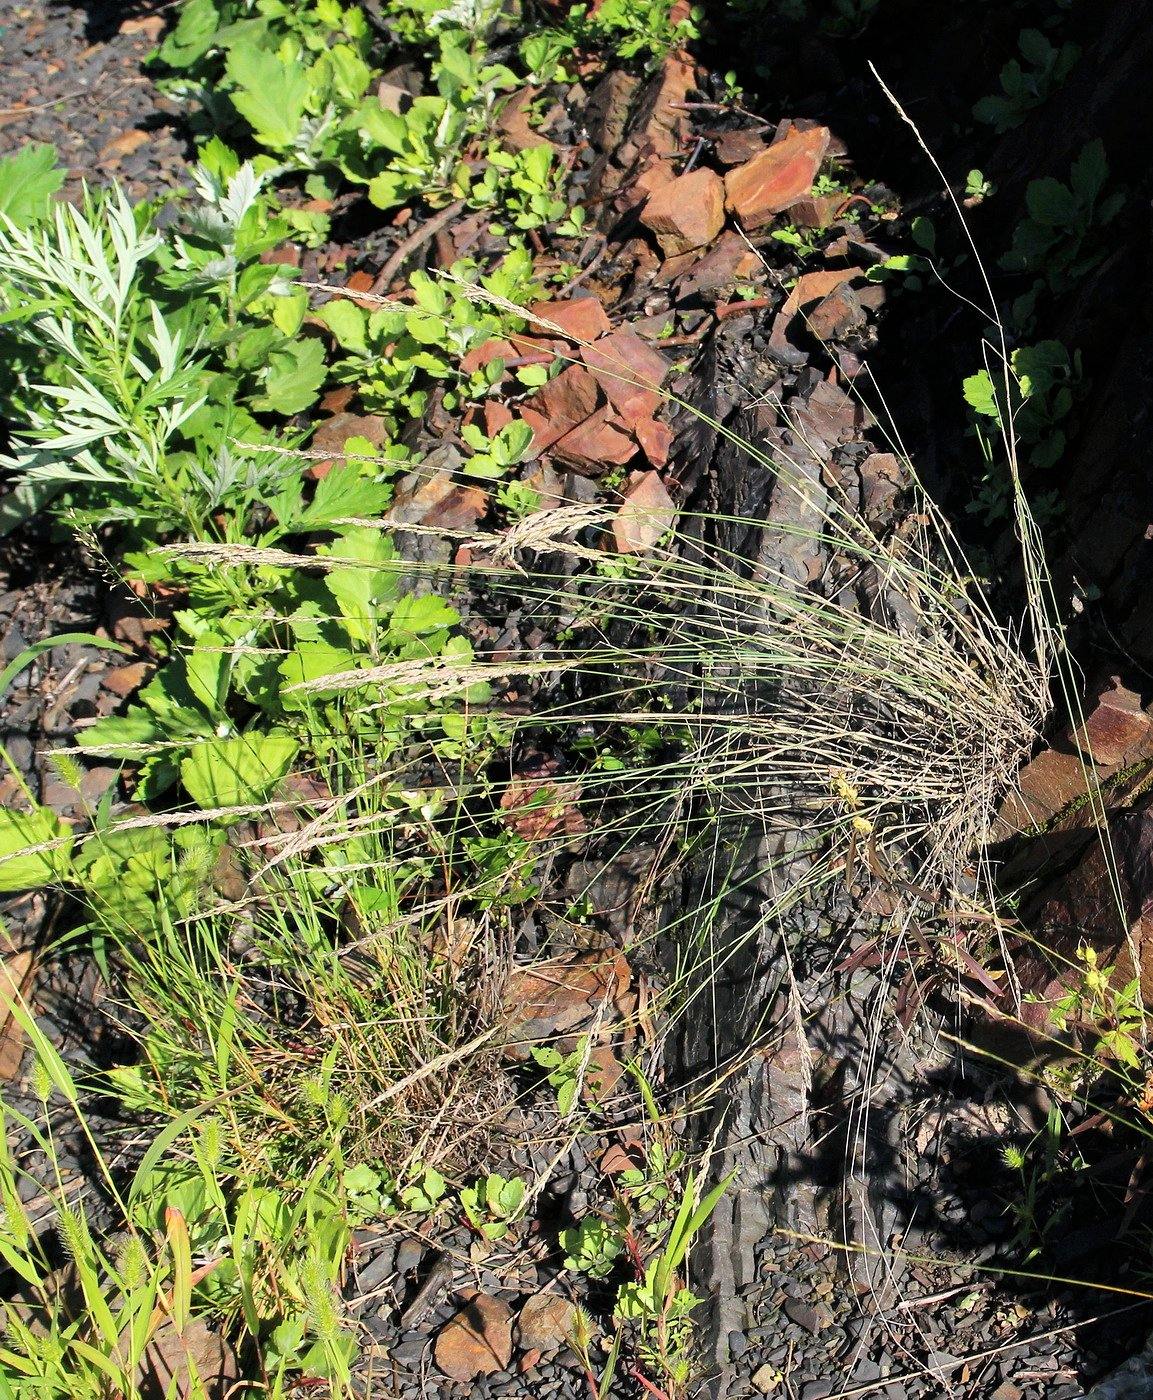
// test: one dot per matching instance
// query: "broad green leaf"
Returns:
(347, 322)
(1090, 171)
(389, 189)
(193, 36)
(28, 180)
(237, 771)
(311, 661)
(415, 617)
(1050, 202)
(23, 870)
(345, 492)
(289, 311)
(1038, 367)
(360, 593)
(119, 736)
(1036, 48)
(270, 95)
(207, 668)
(980, 394)
(295, 373)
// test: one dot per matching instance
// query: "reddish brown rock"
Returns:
(739, 147)
(334, 432)
(646, 514)
(686, 213)
(582, 318)
(515, 126)
(477, 1341)
(175, 1356)
(882, 479)
(602, 1074)
(547, 483)
(485, 353)
(497, 415)
(560, 405)
(811, 286)
(606, 113)
(546, 1323)
(828, 416)
(655, 438)
(630, 371)
(817, 212)
(1117, 731)
(438, 500)
(729, 261)
(596, 444)
(552, 998)
(836, 316)
(660, 116)
(1044, 786)
(654, 177)
(781, 175)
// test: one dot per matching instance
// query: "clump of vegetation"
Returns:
(304, 917)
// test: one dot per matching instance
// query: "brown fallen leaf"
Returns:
(151, 26)
(125, 144)
(477, 1341)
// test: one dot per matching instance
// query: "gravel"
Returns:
(72, 76)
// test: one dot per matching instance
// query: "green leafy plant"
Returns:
(427, 341)
(1060, 238)
(1038, 398)
(1027, 85)
(492, 457)
(156, 350)
(1112, 1015)
(493, 1203)
(28, 180)
(978, 188)
(592, 1246)
(636, 28)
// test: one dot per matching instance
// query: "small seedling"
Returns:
(492, 1204)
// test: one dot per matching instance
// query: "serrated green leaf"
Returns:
(295, 373)
(389, 189)
(980, 394)
(347, 322)
(311, 661)
(28, 180)
(237, 771)
(193, 35)
(270, 95)
(21, 830)
(118, 736)
(345, 492)
(1050, 202)
(416, 617)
